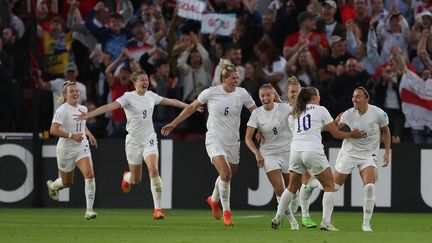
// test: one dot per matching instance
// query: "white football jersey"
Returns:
(64, 116)
(224, 110)
(274, 127)
(306, 128)
(139, 113)
(57, 90)
(371, 123)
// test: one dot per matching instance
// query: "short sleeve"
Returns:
(344, 118)
(326, 117)
(253, 120)
(123, 100)
(204, 96)
(59, 116)
(383, 118)
(248, 102)
(155, 97)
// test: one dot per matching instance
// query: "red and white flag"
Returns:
(416, 97)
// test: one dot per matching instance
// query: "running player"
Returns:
(361, 153)
(224, 103)
(141, 141)
(72, 147)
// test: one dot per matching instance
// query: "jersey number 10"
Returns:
(306, 123)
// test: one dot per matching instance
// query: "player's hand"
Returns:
(167, 129)
(77, 137)
(93, 141)
(260, 137)
(357, 134)
(80, 117)
(259, 159)
(337, 119)
(386, 161)
(201, 109)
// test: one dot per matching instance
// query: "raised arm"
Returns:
(188, 111)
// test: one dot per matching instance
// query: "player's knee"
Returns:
(369, 190)
(337, 187)
(153, 171)
(88, 175)
(135, 180)
(67, 183)
(225, 176)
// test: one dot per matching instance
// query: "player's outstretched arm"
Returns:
(189, 110)
(100, 110)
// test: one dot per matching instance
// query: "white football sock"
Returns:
(90, 191)
(156, 189)
(283, 206)
(57, 185)
(328, 205)
(215, 194)
(368, 202)
(126, 177)
(224, 192)
(304, 201)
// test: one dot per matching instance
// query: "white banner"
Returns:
(416, 97)
(190, 9)
(220, 24)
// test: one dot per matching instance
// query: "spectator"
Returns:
(195, 70)
(362, 18)
(302, 65)
(333, 65)
(118, 82)
(13, 47)
(57, 47)
(327, 23)
(393, 31)
(164, 85)
(253, 79)
(287, 14)
(387, 97)
(274, 66)
(342, 87)
(233, 53)
(56, 85)
(6, 72)
(315, 41)
(423, 23)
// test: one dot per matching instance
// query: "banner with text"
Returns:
(219, 24)
(191, 9)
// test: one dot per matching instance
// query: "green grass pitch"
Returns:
(127, 225)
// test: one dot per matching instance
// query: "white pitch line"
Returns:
(249, 216)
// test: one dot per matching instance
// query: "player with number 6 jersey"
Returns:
(141, 141)
(224, 103)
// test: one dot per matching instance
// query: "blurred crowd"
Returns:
(332, 45)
